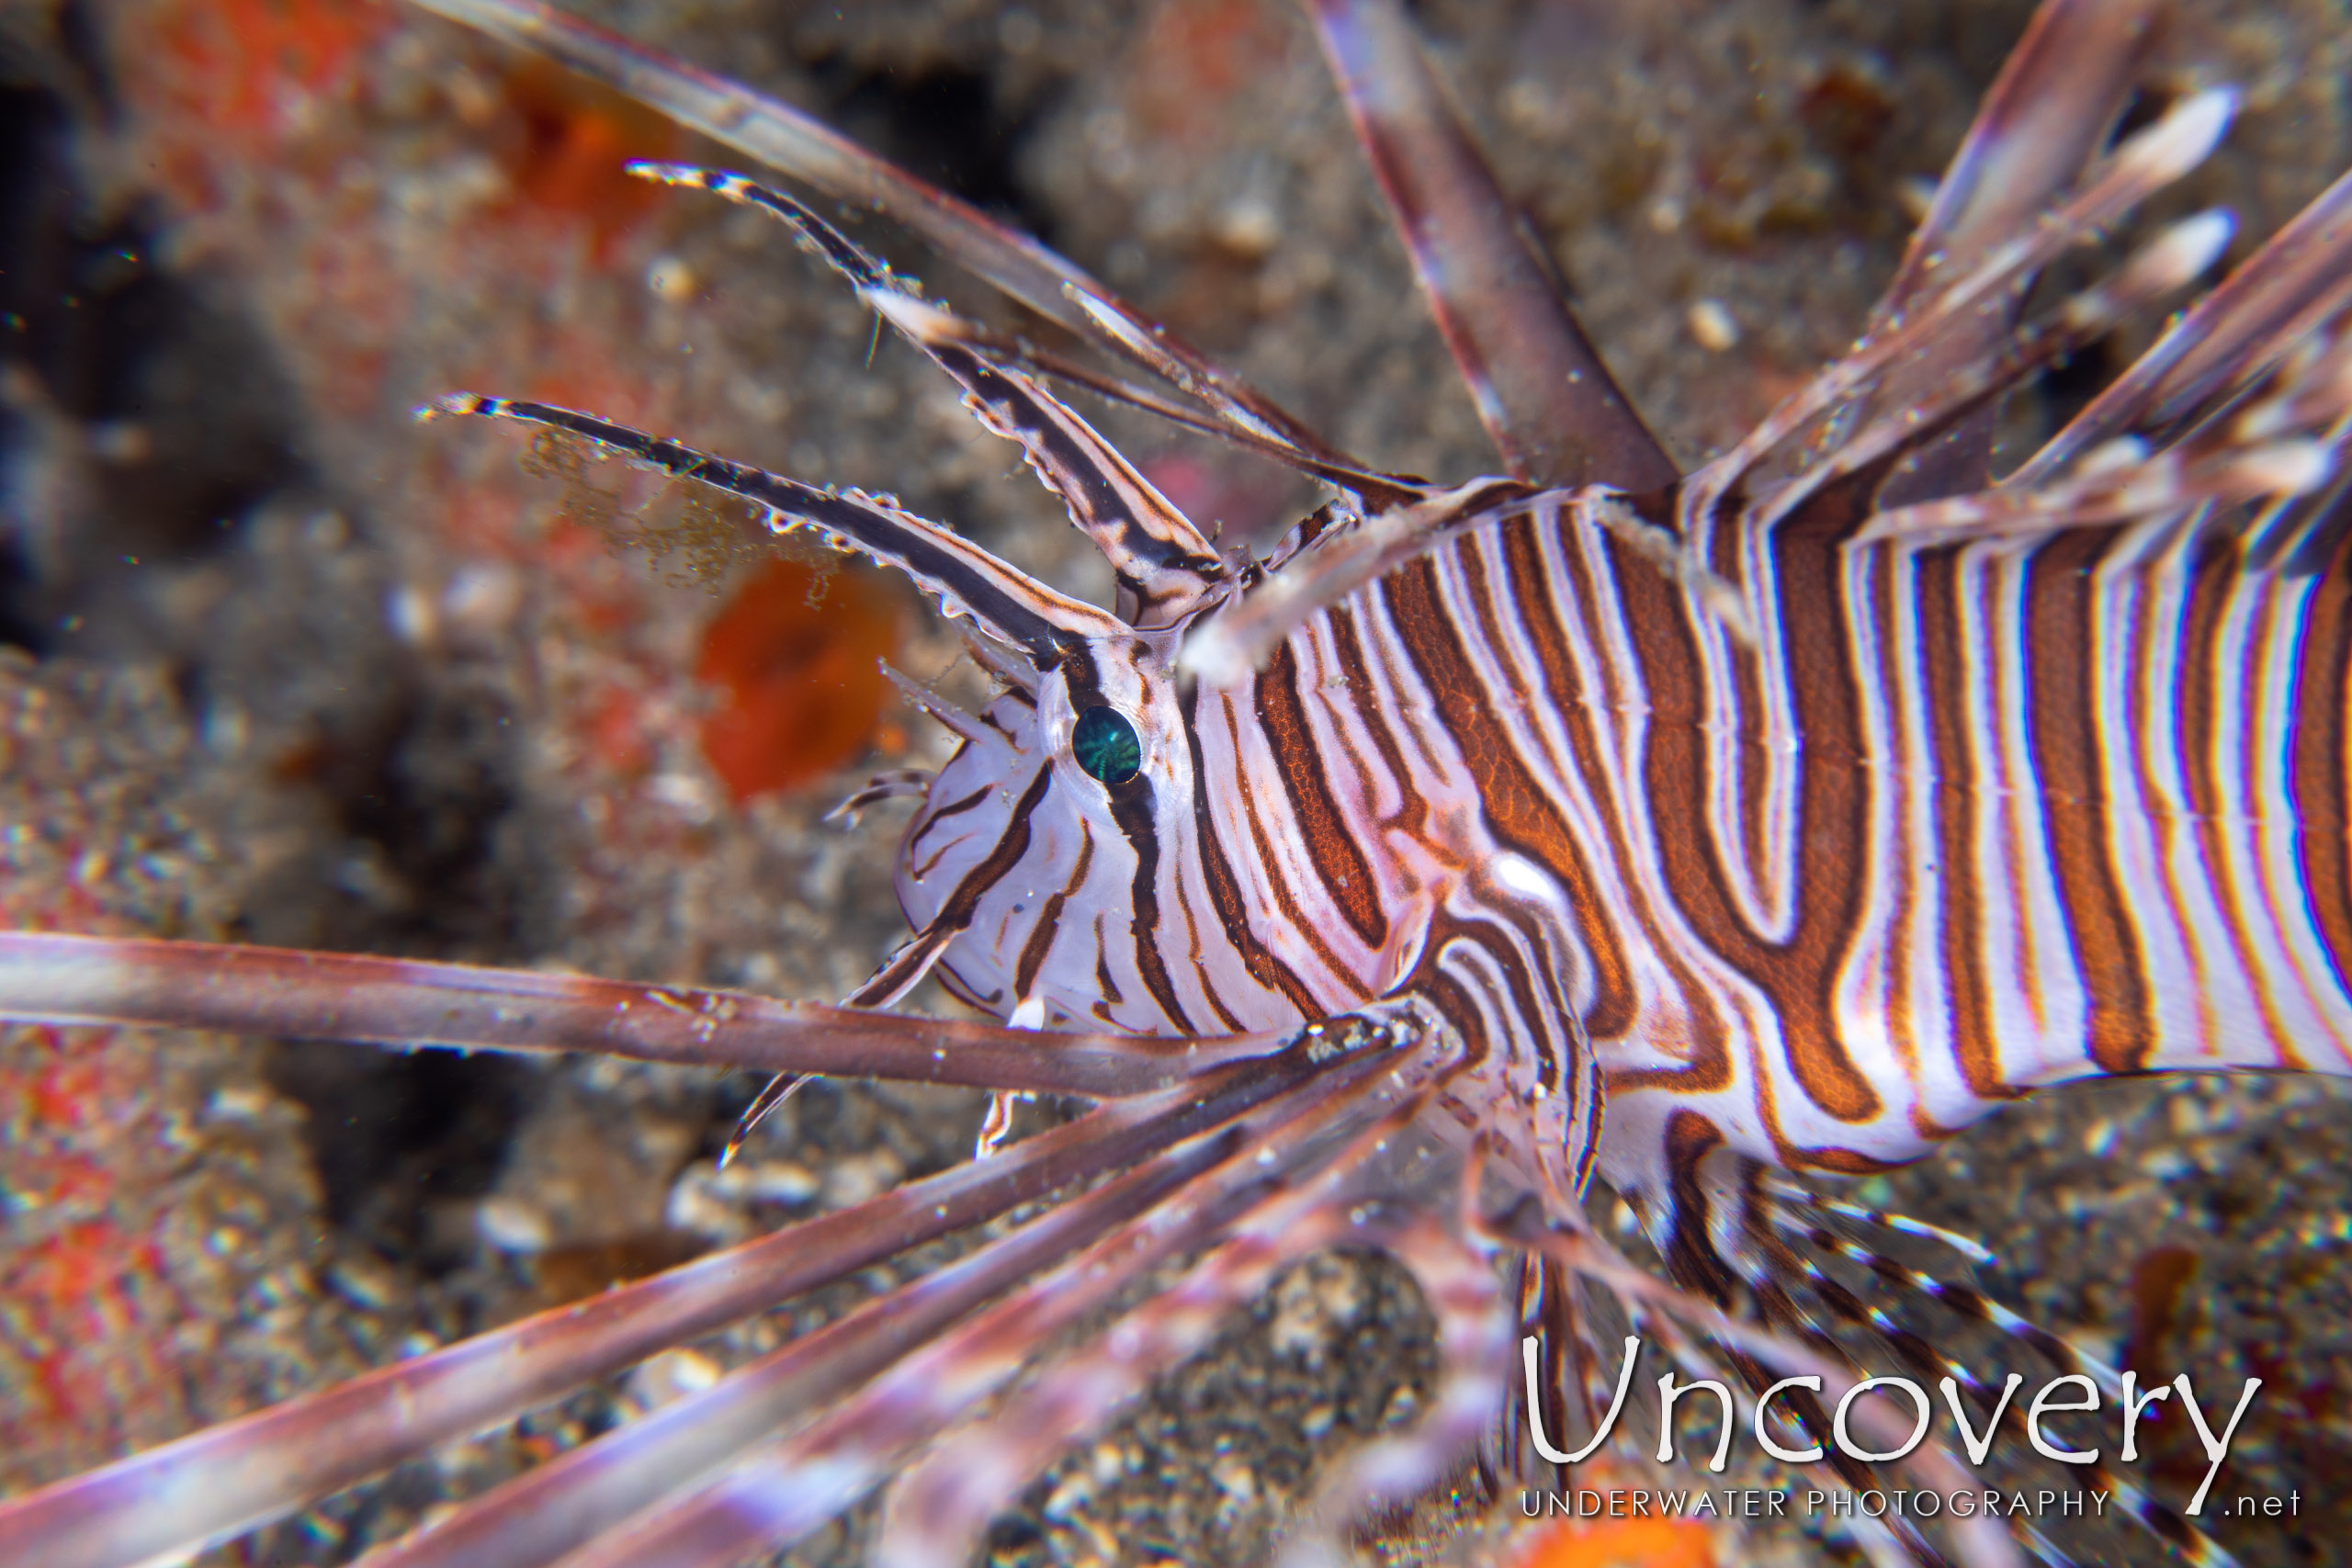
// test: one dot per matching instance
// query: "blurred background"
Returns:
(278, 664)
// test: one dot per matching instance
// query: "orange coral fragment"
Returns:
(797, 656)
(1622, 1543)
(243, 66)
(569, 142)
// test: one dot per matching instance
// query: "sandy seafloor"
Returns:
(288, 667)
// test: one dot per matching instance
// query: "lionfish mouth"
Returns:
(1364, 895)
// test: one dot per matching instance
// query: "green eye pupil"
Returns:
(1107, 746)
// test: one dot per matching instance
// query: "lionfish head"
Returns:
(1067, 794)
(1040, 846)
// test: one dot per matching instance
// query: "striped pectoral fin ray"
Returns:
(1674, 1314)
(1546, 399)
(937, 1511)
(1569, 1382)
(1477, 1352)
(1897, 1305)
(563, 1506)
(49, 978)
(1279, 1158)
(1730, 1228)
(1750, 1277)
(230, 1478)
(1008, 603)
(576, 1500)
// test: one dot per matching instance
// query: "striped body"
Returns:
(1978, 818)
(1601, 818)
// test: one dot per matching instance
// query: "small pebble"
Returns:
(1712, 326)
(670, 1377)
(509, 1225)
(670, 280)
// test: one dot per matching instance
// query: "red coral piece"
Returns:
(795, 654)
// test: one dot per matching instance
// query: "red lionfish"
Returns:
(1478, 841)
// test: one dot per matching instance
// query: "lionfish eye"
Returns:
(1107, 746)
